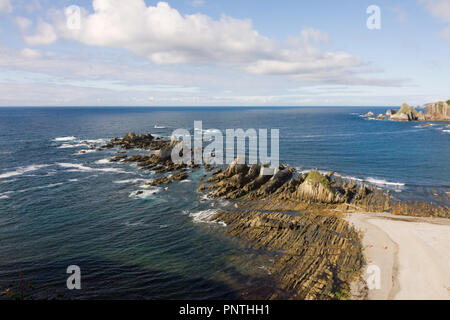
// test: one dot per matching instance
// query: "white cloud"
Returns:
(164, 36)
(30, 53)
(197, 3)
(311, 35)
(23, 23)
(441, 10)
(446, 33)
(306, 62)
(44, 34)
(5, 6)
(438, 8)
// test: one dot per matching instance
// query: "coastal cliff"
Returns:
(438, 111)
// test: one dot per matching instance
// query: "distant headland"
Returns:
(437, 111)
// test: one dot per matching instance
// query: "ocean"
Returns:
(61, 206)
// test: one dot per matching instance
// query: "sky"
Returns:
(223, 53)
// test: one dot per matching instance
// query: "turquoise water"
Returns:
(60, 207)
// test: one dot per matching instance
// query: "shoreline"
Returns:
(413, 254)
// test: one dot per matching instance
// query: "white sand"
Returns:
(413, 255)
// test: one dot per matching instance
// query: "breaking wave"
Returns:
(75, 167)
(381, 182)
(71, 138)
(21, 170)
(145, 194)
(205, 216)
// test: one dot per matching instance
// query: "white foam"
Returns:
(85, 151)
(21, 170)
(348, 177)
(4, 197)
(379, 182)
(76, 167)
(8, 181)
(304, 171)
(185, 181)
(205, 197)
(145, 194)
(76, 145)
(133, 181)
(382, 182)
(135, 224)
(51, 185)
(446, 131)
(95, 141)
(103, 161)
(224, 203)
(159, 127)
(71, 138)
(205, 216)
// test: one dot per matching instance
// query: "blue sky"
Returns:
(224, 53)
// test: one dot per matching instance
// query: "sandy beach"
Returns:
(412, 254)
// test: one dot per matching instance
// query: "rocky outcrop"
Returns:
(118, 158)
(141, 141)
(317, 188)
(159, 181)
(390, 112)
(407, 113)
(275, 182)
(439, 111)
(182, 175)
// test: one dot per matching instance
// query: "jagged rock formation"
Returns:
(390, 112)
(369, 114)
(314, 256)
(317, 188)
(157, 182)
(439, 111)
(182, 175)
(238, 181)
(141, 141)
(118, 158)
(288, 191)
(407, 113)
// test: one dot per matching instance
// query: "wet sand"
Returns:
(412, 254)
